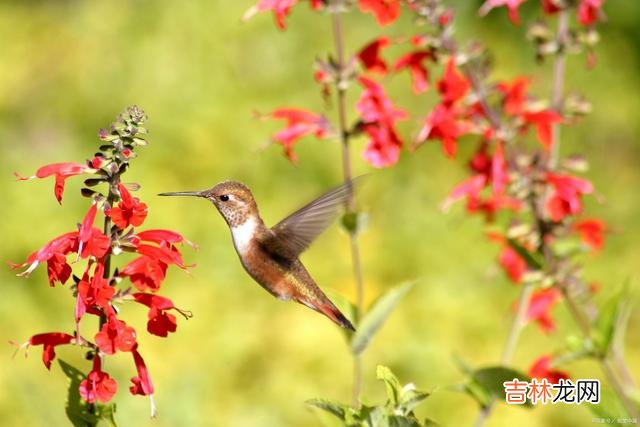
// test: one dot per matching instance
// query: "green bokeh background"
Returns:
(246, 359)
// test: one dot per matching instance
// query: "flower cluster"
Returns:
(90, 250)
(515, 175)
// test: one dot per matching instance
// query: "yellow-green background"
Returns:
(246, 359)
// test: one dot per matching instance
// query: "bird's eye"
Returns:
(224, 198)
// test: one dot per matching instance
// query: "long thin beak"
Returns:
(184, 193)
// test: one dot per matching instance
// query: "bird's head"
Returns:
(233, 200)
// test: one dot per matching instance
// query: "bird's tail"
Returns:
(326, 307)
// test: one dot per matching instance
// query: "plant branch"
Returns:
(559, 71)
(347, 176)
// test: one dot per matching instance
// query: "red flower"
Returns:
(142, 383)
(512, 6)
(54, 253)
(385, 11)
(130, 210)
(566, 197)
(512, 263)
(543, 120)
(492, 204)
(444, 124)
(160, 322)
(145, 273)
(514, 95)
(589, 11)
(384, 146)
(414, 62)
(379, 116)
(61, 171)
(375, 106)
(453, 86)
(148, 271)
(470, 188)
(540, 306)
(115, 335)
(58, 270)
(541, 368)
(49, 341)
(300, 123)
(549, 7)
(94, 292)
(591, 232)
(370, 58)
(98, 386)
(280, 8)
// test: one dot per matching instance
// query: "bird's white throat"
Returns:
(243, 233)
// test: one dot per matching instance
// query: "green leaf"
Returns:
(609, 317)
(533, 260)
(391, 383)
(410, 398)
(486, 384)
(79, 412)
(375, 317)
(337, 409)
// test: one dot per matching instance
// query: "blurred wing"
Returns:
(298, 230)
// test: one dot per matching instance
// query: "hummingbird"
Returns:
(271, 255)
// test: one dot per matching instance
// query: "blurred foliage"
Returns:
(246, 359)
(397, 411)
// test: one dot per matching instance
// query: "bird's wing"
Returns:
(298, 230)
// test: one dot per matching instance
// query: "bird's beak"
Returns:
(184, 193)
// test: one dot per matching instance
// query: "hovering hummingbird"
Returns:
(270, 255)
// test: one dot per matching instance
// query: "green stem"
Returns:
(347, 176)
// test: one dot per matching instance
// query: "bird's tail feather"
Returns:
(327, 308)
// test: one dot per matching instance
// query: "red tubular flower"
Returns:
(142, 383)
(369, 56)
(443, 124)
(541, 368)
(414, 62)
(549, 7)
(145, 273)
(384, 146)
(61, 171)
(115, 335)
(471, 188)
(300, 123)
(160, 322)
(94, 292)
(93, 242)
(379, 116)
(543, 120)
(58, 270)
(539, 308)
(591, 232)
(148, 271)
(589, 11)
(566, 198)
(280, 8)
(514, 95)
(98, 386)
(512, 263)
(54, 252)
(130, 211)
(385, 11)
(453, 86)
(375, 106)
(512, 6)
(49, 341)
